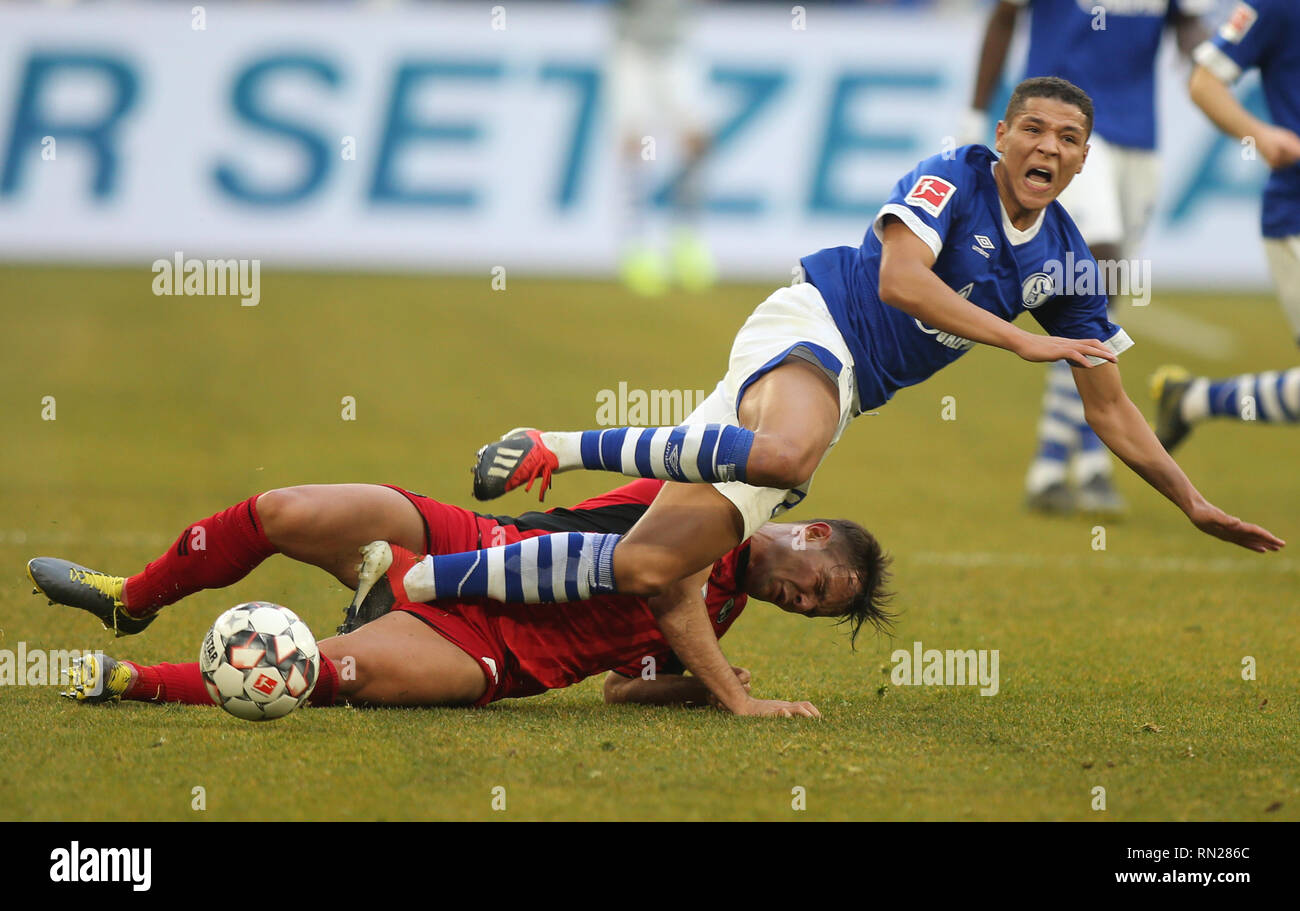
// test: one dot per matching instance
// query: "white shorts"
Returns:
(650, 89)
(1112, 198)
(1284, 262)
(794, 322)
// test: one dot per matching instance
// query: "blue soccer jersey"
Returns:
(1266, 34)
(953, 205)
(1107, 48)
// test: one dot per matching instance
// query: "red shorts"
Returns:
(447, 530)
(466, 627)
(452, 530)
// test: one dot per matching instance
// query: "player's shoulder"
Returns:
(950, 177)
(962, 165)
(1245, 18)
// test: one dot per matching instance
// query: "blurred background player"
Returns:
(655, 88)
(1263, 34)
(1109, 50)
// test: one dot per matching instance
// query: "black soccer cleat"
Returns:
(374, 596)
(64, 582)
(520, 457)
(1168, 386)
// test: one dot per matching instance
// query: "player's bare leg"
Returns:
(793, 411)
(325, 524)
(398, 659)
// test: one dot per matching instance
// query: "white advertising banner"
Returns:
(466, 136)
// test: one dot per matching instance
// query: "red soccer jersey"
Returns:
(559, 644)
(535, 647)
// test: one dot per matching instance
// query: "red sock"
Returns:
(184, 683)
(169, 683)
(327, 684)
(216, 552)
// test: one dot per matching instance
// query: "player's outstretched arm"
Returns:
(683, 618)
(1122, 427)
(908, 282)
(664, 689)
(1277, 145)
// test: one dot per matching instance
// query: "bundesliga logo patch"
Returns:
(930, 194)
(1240, 22)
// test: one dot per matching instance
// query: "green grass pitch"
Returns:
(1120, 669)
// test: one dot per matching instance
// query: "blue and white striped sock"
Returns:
(692, 452)
(1058, 433)
(568, 566)
(1272, 397)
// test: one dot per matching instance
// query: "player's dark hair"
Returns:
(867, 560)
(1049, 87)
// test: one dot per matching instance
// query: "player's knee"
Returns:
(350, 665)
(638, 572)
(781, 464)
(284, 512)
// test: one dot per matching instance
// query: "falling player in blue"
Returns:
(1263, 34)
(1108, 48)
(963, 246)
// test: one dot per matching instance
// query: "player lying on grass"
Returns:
(465, 651)
(967, 242)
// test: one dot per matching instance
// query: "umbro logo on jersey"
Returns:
(982, 245)
(504, 462)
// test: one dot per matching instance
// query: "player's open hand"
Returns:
(1214, 521)
(779, 708)
(1045, 348)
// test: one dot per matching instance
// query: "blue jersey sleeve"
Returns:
(1082, 316)
(927, 199)
(1241, 41)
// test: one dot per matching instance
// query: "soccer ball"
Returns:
(259, 661)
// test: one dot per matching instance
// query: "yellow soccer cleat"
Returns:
(64, 582)
(97, 678)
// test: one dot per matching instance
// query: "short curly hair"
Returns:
(1049, 87)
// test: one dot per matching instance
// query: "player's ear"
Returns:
(1086, 147)
(998, 134)
(817, 531)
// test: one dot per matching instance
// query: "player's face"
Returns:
(800, 571)
(1042, 148)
